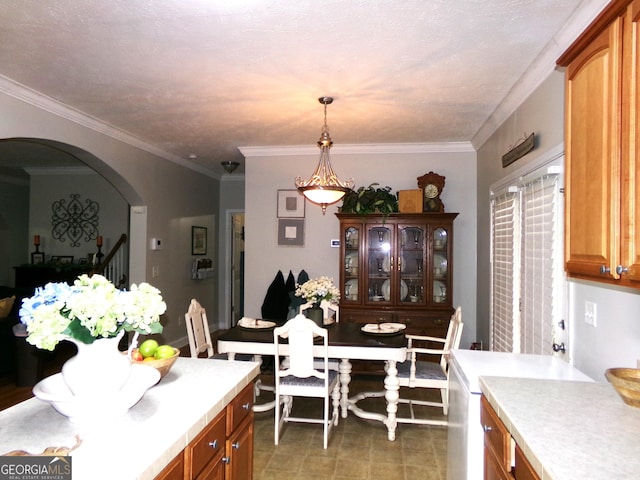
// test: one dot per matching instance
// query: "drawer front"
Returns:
(206, 446)
(523, 469)
(496, 436)
(239, 408)
(435, 325)
(366, 316)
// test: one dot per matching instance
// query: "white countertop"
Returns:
(474, 363)
(141, 443)
(569, 430)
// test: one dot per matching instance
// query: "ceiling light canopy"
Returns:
(324, 187)
(229, 166)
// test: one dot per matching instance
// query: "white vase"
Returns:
(98, 369)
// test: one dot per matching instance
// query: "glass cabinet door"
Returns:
(351, 241)
(411, 263)
(440, 265)
(378, 273)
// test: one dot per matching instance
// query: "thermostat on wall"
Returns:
(335, 243)
(156, 244)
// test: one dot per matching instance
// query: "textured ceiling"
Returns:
(204, 77)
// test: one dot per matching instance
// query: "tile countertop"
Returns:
(141, 443)
(569, 430)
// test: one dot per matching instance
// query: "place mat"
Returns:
(383, 329)
(255, 324)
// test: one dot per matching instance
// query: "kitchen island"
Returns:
(568, 430)
(141, 443)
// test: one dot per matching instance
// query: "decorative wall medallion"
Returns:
(75, 220)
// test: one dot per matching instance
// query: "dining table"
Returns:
(346, 341)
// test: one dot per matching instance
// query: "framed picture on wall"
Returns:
(290, 232)
(198, 240)
(290, 204)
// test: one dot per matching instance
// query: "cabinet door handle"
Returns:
(438, 321)
(604, 270)
(214, 444)
(486, 428)
(226, 460)
(620, 269)
(236, 445)
(246, 406)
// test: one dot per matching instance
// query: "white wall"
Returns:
(615, 341)
(266, 174)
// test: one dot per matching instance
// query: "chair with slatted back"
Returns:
(415, 373)
(200, 342)
(299, 378)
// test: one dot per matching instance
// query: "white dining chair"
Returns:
(415, 373)
(299, 378)
(200, 342)
(330, 311)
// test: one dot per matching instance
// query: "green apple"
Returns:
(164, 351)
(148, 348)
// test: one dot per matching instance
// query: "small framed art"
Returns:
(290, 232)
(198, 240)
(290, 204)
(37, 258)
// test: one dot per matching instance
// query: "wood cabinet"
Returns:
(223, 450)
(397, 268)
(503, 458)
(602, 198)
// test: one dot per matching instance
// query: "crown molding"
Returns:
(541, 67)
(34, 171)
(39, 100)
(358, 149)
(238, 177)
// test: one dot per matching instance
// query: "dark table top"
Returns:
(340, 334)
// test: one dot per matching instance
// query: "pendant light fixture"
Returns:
(324, 187)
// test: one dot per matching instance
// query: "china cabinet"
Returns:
(602, 198)
(397, 268)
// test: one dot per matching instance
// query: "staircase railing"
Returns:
(115, 265)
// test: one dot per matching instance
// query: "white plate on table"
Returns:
(387, 328)
(255, 324)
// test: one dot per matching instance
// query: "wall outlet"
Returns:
(590, 313)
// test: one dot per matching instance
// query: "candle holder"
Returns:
(99, 255)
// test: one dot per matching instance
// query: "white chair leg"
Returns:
(326, 422)
(276, 424)
(444, 393)
(335, 395)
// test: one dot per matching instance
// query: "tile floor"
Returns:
(358, 449)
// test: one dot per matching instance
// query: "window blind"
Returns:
(540, 280)
(504, 270)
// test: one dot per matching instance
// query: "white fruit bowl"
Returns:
(91, 408)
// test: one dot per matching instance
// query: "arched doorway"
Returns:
(20, 155)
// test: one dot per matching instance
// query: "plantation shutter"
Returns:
(540, 280)
(504, 271)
